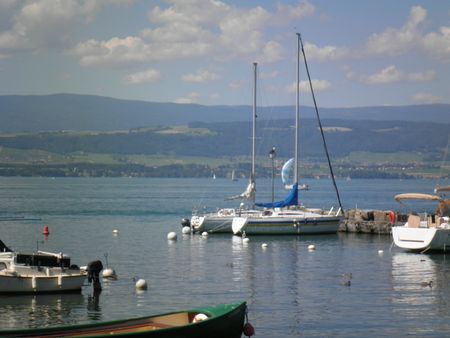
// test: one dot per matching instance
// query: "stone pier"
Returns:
(369, 221)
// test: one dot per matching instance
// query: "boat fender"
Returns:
(392, 217)
(248, 330)
(94, 269)
(199, 317)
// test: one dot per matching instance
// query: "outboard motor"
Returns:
(185, 222)
(94, 268)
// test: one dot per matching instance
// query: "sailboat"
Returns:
(233, 176)
(221, 221)
(285, 217)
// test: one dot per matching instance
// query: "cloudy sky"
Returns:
(360, 53)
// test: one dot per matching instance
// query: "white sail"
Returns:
(286, 173)
(248, 194)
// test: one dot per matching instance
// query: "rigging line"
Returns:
(320, 126)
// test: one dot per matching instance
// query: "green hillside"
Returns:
(358, 149)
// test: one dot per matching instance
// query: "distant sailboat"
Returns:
(233, 176)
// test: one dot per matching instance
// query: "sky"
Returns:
(359, 53)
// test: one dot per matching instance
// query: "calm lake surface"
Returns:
(290, 291)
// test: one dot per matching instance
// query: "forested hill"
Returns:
(86, 112)
(233, 139)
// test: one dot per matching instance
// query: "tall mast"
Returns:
(252, 178)
(297, 113)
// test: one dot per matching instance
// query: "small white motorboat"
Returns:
(424, 232)
(41, 272)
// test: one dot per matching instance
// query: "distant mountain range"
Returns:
(31, 113)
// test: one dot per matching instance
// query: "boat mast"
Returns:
(252, 178)
(320, 124)
(297, 113)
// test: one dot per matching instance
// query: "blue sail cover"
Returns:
(291, 199)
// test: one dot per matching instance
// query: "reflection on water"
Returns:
(422, 292)
(411, 275)
(40, 310)
(94, 310)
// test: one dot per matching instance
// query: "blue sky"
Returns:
(360, 53)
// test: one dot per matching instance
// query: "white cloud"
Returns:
(192, 29)
(326, 53)
(391, 74)
(386, 75)
(272, 52)
(201, 76)
(398, 41)
(287, 13)
(43, 24)
(113, 52)
(148, 76)
(190, 98)
(438, 44)
(427, 98)
(304, 87)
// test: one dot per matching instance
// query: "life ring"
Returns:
(392, 217)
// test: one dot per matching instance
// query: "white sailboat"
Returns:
(425, 232)
(221, 221)
(285, 217)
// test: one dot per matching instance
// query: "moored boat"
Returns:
(221, 221)
(39, 272)
(221, 321)
(288, 222)
(427, 231)
(286, 217)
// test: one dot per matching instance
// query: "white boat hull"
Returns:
(291, 226)
(41, 284)
(221, 221)
(212, 224)
(421, 239)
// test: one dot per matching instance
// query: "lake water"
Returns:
(290, 291)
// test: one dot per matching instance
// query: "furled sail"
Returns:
(248, 194)
(291, 199)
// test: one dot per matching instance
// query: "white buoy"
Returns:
(380, 252)
(204, 234)
(186, 230)
(245, 240)
(115, 231)
(172, 236)
(109, 273)
(141, 284)
(311, 247)
(264, 245)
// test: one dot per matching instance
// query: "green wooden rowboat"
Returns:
(221, 321)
